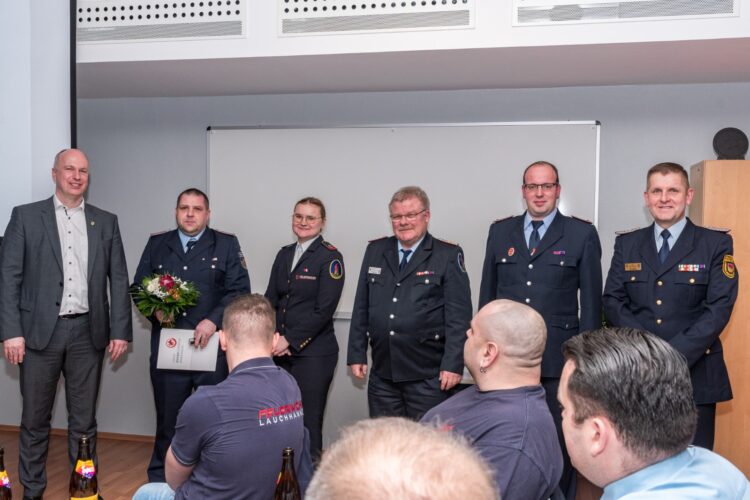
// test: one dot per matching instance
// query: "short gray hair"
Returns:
(397, 458)
(407, 192)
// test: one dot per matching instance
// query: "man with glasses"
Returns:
(545, 260)
(413, 306)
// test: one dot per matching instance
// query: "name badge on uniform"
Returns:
(373, 270)
(305, 277)
(632, 266)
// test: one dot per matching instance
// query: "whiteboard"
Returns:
(471, 172)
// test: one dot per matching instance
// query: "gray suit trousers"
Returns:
(71, 352)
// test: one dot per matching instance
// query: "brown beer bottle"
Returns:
(287, 487)
(5, 491)
(83, 484)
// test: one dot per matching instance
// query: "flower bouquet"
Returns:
(166, 294)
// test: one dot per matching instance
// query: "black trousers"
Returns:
(568, 478)
(314, 375)
(171, 389)
(71, 353)
(704, 433)
(412, 399)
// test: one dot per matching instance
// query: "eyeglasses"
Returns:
(547, 187)
(306, 218)
(408, 217)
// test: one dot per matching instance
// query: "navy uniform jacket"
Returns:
(568, 259)
(215, 265)
(306, 297)
(415, 320)
(686, 301)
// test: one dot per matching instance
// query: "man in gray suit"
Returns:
(59, 258)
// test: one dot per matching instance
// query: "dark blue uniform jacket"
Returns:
(686, 301)
(214, 265)
(568, 259)
(415, 320)
(306, 297)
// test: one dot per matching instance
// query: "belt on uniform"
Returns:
(72, 316)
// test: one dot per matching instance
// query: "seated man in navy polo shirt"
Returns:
(505, 416)
(229, 437)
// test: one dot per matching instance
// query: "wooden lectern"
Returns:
(722, 199)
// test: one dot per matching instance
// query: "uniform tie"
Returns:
(664, 250)
(404, 259)
(534, 238)
(190, 244)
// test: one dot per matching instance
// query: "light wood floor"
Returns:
(122, 466)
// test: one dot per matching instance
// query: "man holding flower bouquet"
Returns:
(191, 274)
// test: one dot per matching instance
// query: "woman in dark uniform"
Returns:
(304, 288)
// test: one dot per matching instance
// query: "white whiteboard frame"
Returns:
(353, 262)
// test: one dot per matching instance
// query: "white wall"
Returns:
(34, 122)
(144, 151)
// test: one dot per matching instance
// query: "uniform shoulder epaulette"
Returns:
(378, 239)
(724, 230)
(157, 233)
(328, 245)
(626, 231)
(581, 220)
(224, 233)
(500, 220)
(451, 243)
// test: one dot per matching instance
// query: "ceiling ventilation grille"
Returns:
(341, 16)
(527, 12)
(113, 20)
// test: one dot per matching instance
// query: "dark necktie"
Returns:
(404, 259)
(664, 250)
(534, 238)
(190, 244)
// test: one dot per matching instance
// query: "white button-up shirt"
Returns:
(74, 248)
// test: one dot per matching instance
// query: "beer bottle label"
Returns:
(92, 497)
(4, 479)
(86, 468)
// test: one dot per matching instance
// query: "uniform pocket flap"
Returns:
(564, 322)
(691, 278)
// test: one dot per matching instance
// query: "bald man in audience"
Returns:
(505, 415)
(392, 457)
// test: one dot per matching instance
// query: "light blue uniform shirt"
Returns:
(674, 233)
(184, 238)
(528, 228)
(694, 473)
(413, 250)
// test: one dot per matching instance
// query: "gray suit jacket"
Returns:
(31, 276)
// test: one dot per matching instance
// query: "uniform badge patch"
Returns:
(461, 263)
(242, 260)
(727, 266)
(425, 273)
(632, 266)
(373, 270)
(558, 252)
(511, 251)
(336, 269)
